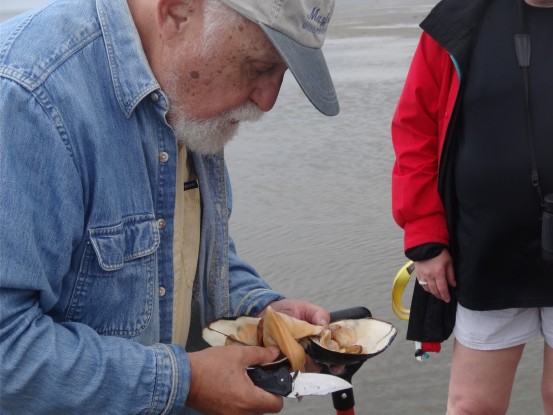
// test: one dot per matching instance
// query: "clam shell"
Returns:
(239, 330)
(373, 335)
(243, 329)
(278, 329)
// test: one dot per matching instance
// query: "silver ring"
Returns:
(423, 283)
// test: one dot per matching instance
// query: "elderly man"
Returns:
(115, 200)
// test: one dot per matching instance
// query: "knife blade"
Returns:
(293, 385)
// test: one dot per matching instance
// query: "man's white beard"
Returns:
(210, 136)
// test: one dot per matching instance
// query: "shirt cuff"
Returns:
(172, 379)
(255, 301)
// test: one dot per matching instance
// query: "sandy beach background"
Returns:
(312, 204)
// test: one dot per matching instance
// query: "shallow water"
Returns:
(312, 205)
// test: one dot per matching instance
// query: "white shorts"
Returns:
(500, 329)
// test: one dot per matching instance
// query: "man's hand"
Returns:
(311, 313)
(302, 310)
(219, 383)
(437, 272)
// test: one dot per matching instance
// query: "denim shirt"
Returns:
(87, 195)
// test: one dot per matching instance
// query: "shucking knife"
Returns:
(296, 384)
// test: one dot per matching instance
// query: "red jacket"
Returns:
(419, 129)
(422, 124)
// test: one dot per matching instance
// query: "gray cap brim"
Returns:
(309, 67)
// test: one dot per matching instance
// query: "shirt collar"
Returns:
(131, 74)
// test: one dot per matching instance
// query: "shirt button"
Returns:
(154, 96)
(163, 157)
(161, 223)
(161, 291)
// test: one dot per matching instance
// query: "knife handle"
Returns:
(277, 382)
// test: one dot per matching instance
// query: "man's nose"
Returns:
(266, 92)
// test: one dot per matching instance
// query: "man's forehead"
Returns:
(261, 46)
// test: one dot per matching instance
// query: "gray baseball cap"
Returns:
(297, 29)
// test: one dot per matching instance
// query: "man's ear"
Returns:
(173, 16)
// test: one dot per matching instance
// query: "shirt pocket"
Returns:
(114, 291)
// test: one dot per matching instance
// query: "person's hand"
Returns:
(219, 384)
(302, 310)
(435, 274)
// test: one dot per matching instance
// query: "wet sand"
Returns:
(378, 18)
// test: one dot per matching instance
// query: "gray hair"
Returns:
(217, 16)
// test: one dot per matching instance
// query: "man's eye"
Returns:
(258, 70)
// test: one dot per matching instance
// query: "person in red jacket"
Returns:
(473, 138)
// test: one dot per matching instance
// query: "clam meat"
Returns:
(350, 341)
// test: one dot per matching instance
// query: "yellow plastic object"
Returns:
(400, 282)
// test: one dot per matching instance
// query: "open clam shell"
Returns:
(239, 330)
(273, 329)
(373, 335)
(243, 330)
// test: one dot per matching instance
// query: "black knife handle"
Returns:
(277, 382)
